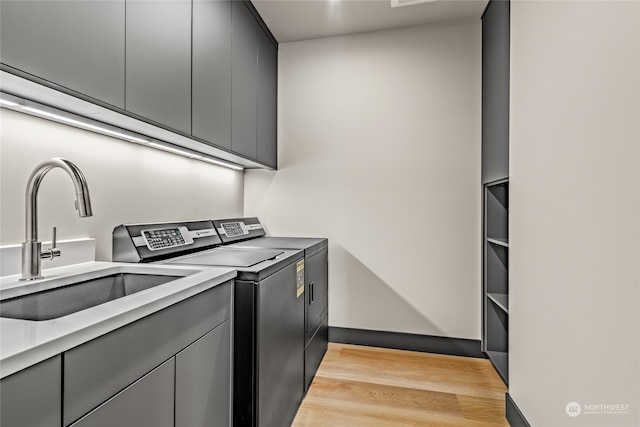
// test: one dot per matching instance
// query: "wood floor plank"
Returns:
(366, 396)
(370, 387)
(481, 408)
(448, 374)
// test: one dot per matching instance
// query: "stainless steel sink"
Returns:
(64, 300)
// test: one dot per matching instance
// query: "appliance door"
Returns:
(278, 349)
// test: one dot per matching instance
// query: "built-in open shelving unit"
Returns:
(496, 275)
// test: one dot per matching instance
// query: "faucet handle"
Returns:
(53, 252)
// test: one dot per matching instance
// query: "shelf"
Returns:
(497, 182)
(496, 276)
(500, 361)
(501, 300)
(498, 241)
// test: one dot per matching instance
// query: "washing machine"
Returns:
(249, 233)
(268, 311)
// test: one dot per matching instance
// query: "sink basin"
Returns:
(64, 300)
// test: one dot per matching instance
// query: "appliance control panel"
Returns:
(233, 229)
(162, 238)
(155, 241)
(236, 229)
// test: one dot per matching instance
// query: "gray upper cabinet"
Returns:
(244, 56)
(212, 71)
(33, 396)
(267, 100)
(205, 69)
(158, 61)
(77, 45)
(495, 92)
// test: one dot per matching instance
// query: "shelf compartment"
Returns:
(497, 216)
(497, 269)
(497, 338)
(501, 300)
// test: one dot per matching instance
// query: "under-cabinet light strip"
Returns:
(21, 106)
(83, 124)
(195, 156)
(8, 103)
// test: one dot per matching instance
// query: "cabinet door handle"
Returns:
(311, 293)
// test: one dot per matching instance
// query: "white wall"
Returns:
(379, 150)
(575, 210)
(128, 183)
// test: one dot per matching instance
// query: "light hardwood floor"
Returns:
(359, 386)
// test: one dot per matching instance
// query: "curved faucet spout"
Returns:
(83, 201)
(32, 248)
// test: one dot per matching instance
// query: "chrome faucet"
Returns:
(32, 252)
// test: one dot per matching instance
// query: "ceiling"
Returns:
(294, 20)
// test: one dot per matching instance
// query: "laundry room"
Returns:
(447, 190)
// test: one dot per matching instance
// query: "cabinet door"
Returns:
(148, 342)
(495, 92)
(317, 287)
(203, 381)
(146, 403)
(244, 60)
(267, 100)
(32, 397)
(78, 45)
(212, 71)
(158, 67)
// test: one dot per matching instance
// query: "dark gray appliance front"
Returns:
(269, 345)
(250, 234)
(269, 308)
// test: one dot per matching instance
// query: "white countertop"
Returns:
(24, 343)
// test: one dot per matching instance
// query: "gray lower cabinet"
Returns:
(32, 397)
(96, 371)
(211, 96)
(147, 402)
(78, 45)
(267, 138)
(158, 61)
(244, 85)
(203, 378)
